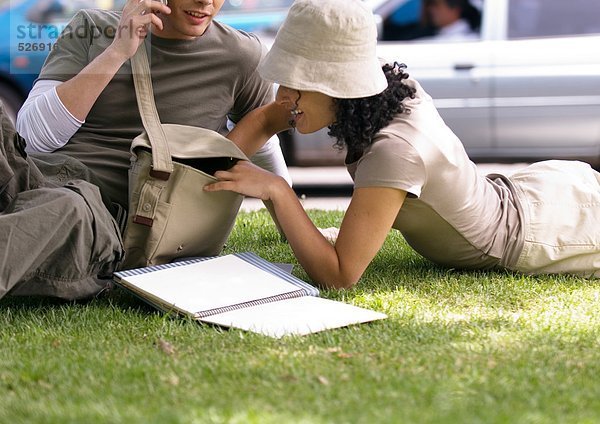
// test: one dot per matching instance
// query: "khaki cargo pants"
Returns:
(561, 218)
(57, 237)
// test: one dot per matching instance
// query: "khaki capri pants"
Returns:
(560, 202)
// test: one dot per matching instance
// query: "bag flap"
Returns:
(192, 142)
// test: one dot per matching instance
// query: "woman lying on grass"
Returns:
(410, 171)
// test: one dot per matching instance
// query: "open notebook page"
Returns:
(219, 282)
(297, 316)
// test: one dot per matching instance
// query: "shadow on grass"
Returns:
(115, 297)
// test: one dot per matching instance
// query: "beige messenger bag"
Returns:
(170, 216)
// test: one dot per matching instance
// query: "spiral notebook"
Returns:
(243, 291)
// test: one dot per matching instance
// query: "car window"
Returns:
(405, 21)
(548, 18)
(430, 20)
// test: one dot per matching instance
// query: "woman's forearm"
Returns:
(332, 266)
(367, 221)
(253, 131)
(314, 252)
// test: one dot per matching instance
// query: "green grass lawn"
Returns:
(458, 347)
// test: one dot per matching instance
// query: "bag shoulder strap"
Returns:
(162, 166)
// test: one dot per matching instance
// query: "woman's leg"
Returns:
(561, 208)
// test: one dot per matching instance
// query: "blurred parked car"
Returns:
(260, 16)
(29, 28)
(528, 88)
(18, 69)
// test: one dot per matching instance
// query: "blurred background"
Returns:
(516, 80)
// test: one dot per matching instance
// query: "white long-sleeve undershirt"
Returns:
(44, 121)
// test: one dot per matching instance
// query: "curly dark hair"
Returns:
(358, 120)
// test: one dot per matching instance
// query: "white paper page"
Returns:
(223, 281)
(298, 316)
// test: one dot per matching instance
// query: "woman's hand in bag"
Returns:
(249, 180)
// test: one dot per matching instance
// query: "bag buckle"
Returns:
(147, 202)
(160, 175)
(143, 220)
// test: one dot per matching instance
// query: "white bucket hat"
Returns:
(327, 46)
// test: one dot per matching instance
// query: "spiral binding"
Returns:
(265, 300)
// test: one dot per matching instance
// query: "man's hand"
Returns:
(134, 25)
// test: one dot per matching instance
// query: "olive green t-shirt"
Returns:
(452, 215)
(198, 82)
